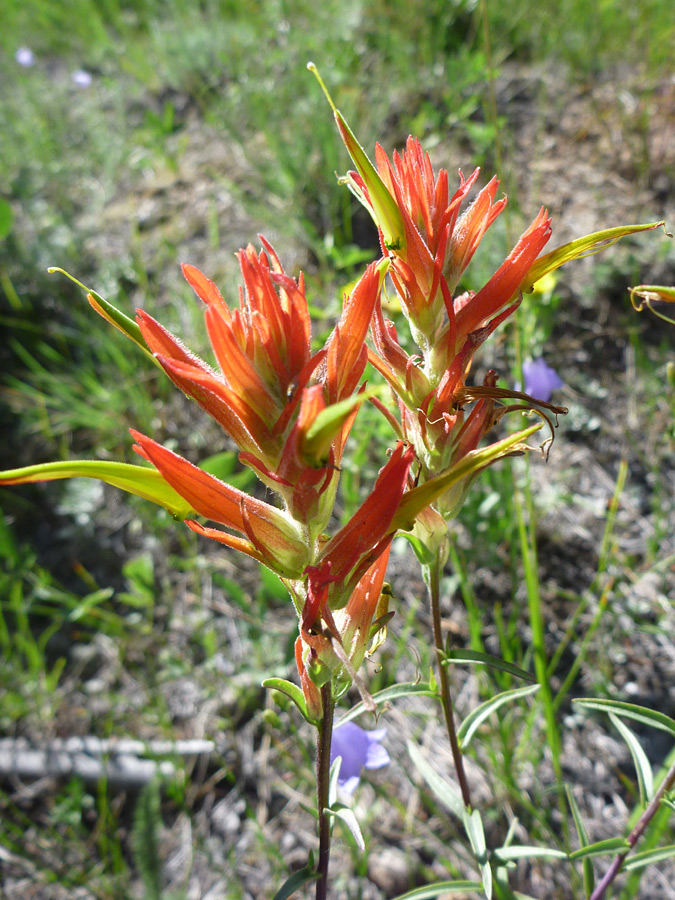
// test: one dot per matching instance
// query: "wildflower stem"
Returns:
(323, 745)
(433, 579)
(635, 835)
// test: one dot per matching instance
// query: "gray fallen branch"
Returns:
(121, 762)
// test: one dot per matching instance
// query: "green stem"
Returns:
(433, 573)
(323, 744)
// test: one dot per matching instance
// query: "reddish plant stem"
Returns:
(635, 835)
(323, 744)
(434, 586)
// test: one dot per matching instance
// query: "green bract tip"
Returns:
(313, 69)
(53, 269)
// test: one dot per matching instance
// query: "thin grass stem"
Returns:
(433, 580)
(522, 504)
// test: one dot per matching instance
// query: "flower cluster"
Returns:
(290, 410)
(430, 242)
(438, 244)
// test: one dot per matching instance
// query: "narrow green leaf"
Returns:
(120, 321)
(336, 765)
(415, 500)
(473, 825)
(346, 815)
(523, 851)
(383, 206)
(582, 835)
(443, 790)
(630, 711)
(139, 480)
(485, 659)
(296, 881)
(647, 857)
(386, 213)
(475, 719)
(290, 690)
(601, 848)
(505, 893)
(643, 769)
(84, 607)
(430, 891)
(395, 692)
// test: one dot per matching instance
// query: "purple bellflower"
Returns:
(358, 749)
(540, 379)
(81, 78)
(25, 57)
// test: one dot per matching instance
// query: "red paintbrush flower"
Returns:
(271, 536)
(430, 242)
(438, 246)
(289, 411)
(341, 593)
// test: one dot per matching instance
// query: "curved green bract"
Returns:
(292, 691)
(385, 210)
(395, 692)
(578, 249)
(415, 500)
(139, 480)
(111, 314)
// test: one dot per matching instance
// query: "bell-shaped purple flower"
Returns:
(25, 57)
(358, 749)
(540, 379)
(81, 78)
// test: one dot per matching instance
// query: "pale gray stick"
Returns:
(92, 758)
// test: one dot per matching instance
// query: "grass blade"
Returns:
(582, 834)
(430, 891)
